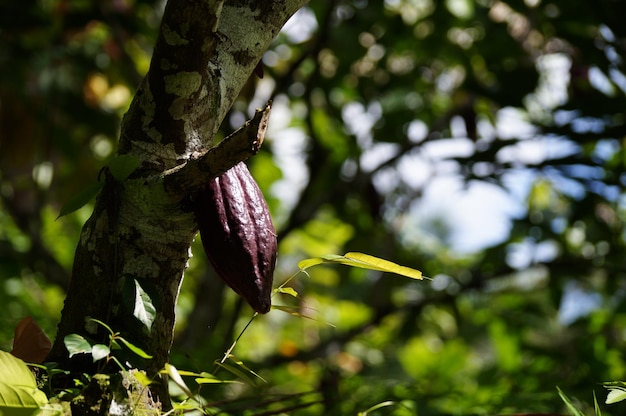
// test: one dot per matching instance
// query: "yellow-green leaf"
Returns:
(370, 262)
(171, 371)
(142, 378)
(363, 261)
(615, 395)
(287, 291)
(141, 353)
(307, 263)
(214, 380)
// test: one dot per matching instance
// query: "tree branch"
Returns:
(240, 145)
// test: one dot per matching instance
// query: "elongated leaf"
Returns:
(18, 390)
(363, 261)
(211, 379)
(138, 351)
(370, 262)
(376, 407)
(76, 344)
(596, 406)
(81, 199)
(573, 409)
(122, 166)
(243, 372)
(188, 373)
(287, 291)
(171, 371)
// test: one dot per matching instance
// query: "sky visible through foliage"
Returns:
(481, 142)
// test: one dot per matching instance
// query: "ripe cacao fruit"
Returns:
(238, 235)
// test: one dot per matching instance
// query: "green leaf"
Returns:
(144, 309)
(115, 345)
(81, 199)
(241, 371)
(18, 389)
(137, 299)
(376, 407)
(308, 263)
(122, 166)
(287, 291)
(569, 404)
(615, 395)
(171, 371)
(208, 378)
(142, 378)
(363, 261)
(596, 406)
(138, 351)
(76, 344)
(370, 262)
(99, 351)
(189, 373)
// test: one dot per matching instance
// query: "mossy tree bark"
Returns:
(140, 232)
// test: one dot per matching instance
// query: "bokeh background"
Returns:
(481, 142)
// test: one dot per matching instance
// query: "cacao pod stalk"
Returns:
(238, 235)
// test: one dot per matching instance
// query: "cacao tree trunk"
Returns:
(139, 235)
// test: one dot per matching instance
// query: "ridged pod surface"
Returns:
(238, 235)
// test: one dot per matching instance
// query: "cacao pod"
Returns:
(238, 235)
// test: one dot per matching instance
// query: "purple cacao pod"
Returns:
(238, 235)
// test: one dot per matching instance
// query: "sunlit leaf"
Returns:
(615, 395)
(370, 262)
(363, 261)
(287, 291)
(174, 375)
(188, 373)
(376, 407)
(144, 309)
(76, 344)
(211, 379)
(142, 378)
(99, 351)
(308, 263)
(18, 389)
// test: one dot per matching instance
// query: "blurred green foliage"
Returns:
(365, 94)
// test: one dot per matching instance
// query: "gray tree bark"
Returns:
(142, 228)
